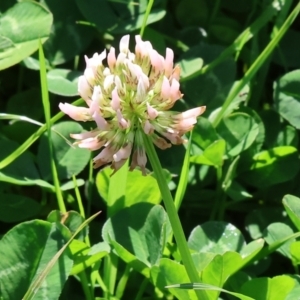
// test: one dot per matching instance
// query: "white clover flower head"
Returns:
(128, 96)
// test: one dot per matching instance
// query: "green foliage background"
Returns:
(235, 184)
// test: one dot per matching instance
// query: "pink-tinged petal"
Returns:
(175, 139)
(168, 65)
(117, 165)
(104, 157)
(161, 143)
(95, 61)
(121, 59)
(111, 57)
(84, 135)
(152, 112)
(148, 128)
(123, 153)
(157, 61)
(108, 82)
(122, 122)
(89, 75)
(142, 48)
(194, 112)
(76, 113)
(165, 88)
(139, 159)
(124, 44)
(175, 93)
(96, 99)
(115, 101)
(186, 125)
(91, 143)
(176, 73)
(84, 89)
(142, 160)
(118, 84)
(141, 91)
(100, 121)
(106, 72)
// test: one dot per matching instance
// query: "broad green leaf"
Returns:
(288, 136)
(16, 208)
(138, 189)
(213, 86)
(287, 97)
(273, 166)
(40, 280)
(292, 206)
(63, 82)
(251, 249)
(225, 29)
(22, 169)
(169, 272)
(21, 104)
(71, 220)
(138, 234)
(190, 13)
(268, 288)
(213, 155)
(119, 17)
(220, 268)
(85, 256)
(69, 160)
(216, 237)
(295, 292)
(235, 104)
(237, 192)
(22, 26)
(188, 66)
(27, 249)
(239, 130)
(277, 231)
(204, 134)
(286, 54)
(68, 38)
(259, 219)
(295, 252)
(202, 259)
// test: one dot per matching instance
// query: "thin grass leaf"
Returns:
(240, 41)
(257, 64)
(47, 113)
(36, 284)
(16, 118)
(184, 175)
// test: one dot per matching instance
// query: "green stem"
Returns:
(184, 176)
(257, 64)
(122, 282)
(80, 206)
(216, 207)
(173, 216)
(110, 273)
(148, 10)
(85, 286)
(142, 289)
